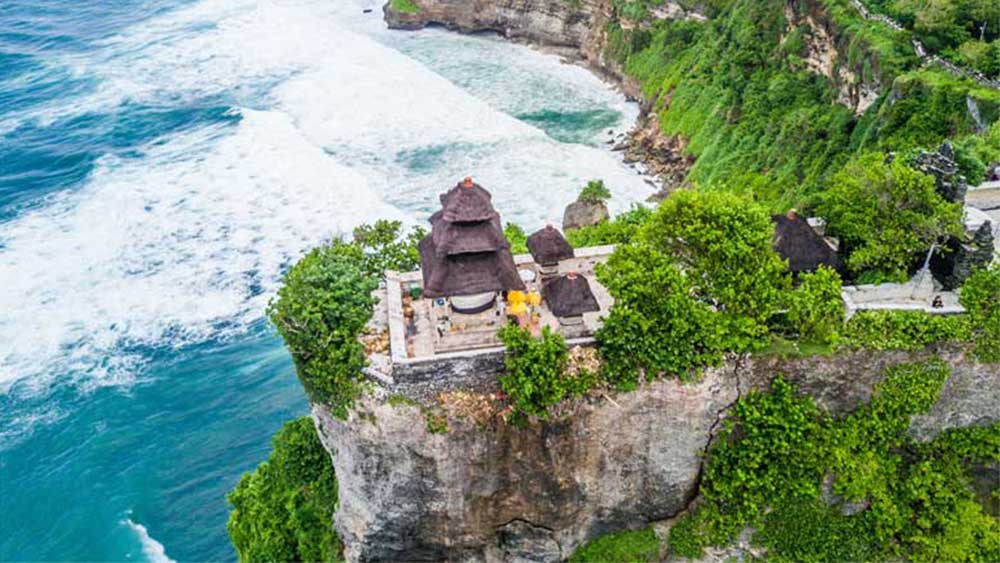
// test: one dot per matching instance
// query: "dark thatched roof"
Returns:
(549, 246)
(569, 296)
(467, 203)
(463, 238)
(798, 243)
(466, 274)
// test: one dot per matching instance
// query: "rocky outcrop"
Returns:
(584, 214)
(484, 490)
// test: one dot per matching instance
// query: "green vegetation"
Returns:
(965, 31)
(981, 298)
(739, 88)
(816, 308)
(594, 192)
(891, 496)
(903, 330)
(619, 230)
(723, 245)
(656, 326)
(536, 377)
(326, 301)
(887, 215)
(633, 546)
(405, 6)
(283, 510)
(517, 238)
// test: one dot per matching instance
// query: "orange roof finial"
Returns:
(467, 182)
(571, 274)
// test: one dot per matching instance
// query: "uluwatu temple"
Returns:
(444, 319)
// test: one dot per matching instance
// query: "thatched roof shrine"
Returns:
(796, 241)
(569, 296)
(548, 246)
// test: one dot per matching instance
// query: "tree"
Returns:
(283, 510)
(594, 192)
(656, 326)
(516, 237)
(536, 376)
(320, 310)
(722, 243)
(384, 247)
(887, 215)
(816, 308)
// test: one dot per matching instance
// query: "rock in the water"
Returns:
(584, 214)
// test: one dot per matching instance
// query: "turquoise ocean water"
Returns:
(161, 163)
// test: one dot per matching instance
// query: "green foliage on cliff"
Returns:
(816, 308)
(656, 326)
(405, 6)
(326, 301)
(536, 376)
(745, 89)
(887, 215)
(283, 510)
(903, 330)
(858, 488)
(980, 296)
(620, 229)
(631, 546)
(723, 245)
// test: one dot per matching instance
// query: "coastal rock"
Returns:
(495, 492)
(503, 493)
(584, 214)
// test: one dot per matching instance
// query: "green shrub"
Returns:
(594, 192)
(619, 230)
(723, 245)
(887, 215)
(636, 546)
(768, 468)
(980, 296)
(283, 510)
(535, 376)
(517, 238)
(816, 308)
(405, 6)
(384, 247)
(320, 310)
(903, 330)
(655, 326)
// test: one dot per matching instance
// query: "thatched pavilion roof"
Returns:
(549, 246)
(569, 296)
(466, 274)
(798, 243)
(467, 202)
(463, 238)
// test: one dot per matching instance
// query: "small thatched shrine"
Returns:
(466, 252)
(796, 241)
(569, 297)
(548, 246)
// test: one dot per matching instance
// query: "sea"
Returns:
(162, 162)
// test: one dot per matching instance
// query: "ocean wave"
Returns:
(152, 550)
(187, 240)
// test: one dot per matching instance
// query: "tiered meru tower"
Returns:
(466, 252)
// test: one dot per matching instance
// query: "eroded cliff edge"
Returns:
(494, 492)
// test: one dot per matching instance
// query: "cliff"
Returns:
(471, 487)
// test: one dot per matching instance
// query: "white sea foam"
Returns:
(188, 241)
(152, 550)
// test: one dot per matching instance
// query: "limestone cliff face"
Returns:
(494, 492)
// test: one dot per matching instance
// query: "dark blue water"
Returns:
(161, 163)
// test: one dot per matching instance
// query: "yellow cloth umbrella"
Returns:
(517, 309)
(515, 297)
(534, 298)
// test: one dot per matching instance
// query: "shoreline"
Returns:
(659, 159)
